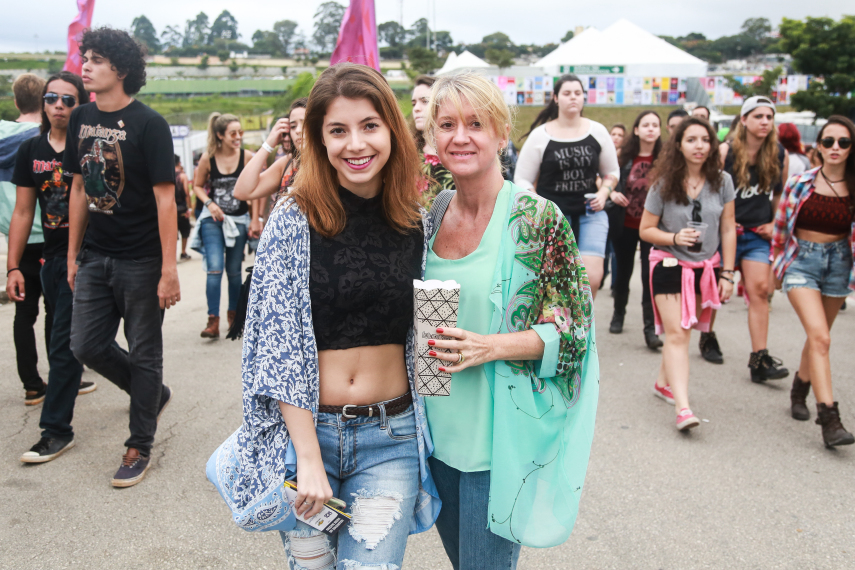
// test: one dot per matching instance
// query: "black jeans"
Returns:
(26, 313)
(106, 291)
(65, 370)
(625, 245)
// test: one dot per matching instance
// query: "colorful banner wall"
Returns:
(78, 25)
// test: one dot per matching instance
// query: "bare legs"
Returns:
(594, 268)
(674, 370)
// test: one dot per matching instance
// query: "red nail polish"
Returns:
(442, 369)
(432, 353)
(431, 342)
(440, 331)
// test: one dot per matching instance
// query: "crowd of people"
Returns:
(347, 204)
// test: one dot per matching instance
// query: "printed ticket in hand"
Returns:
(436, 304)
(330, 520)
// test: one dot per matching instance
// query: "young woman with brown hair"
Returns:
(813, 250)
(687, 215)
(758, 166)
(436, 177)
(328, 342)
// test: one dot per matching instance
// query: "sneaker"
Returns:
(710, 349)
(686, 420)
(185, 256)
(46, 449)
(132, 471)
(87, 387)
(36, 397)
(165, 397)
(766, 367)
(663, 392)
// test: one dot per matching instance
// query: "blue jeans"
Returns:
(372, 463)
(65, 370)
(216, 252)
(109, 290)
(463, 521)
(751, 247)
(591, 232)
(823, 267)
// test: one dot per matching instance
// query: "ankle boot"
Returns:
(798, 395)
(653, 342)
(213, 328)
(230, 315)
(833, 432)
(616, 326)
(766, 367)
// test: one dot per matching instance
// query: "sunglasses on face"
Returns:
(67, 100)
(844, 142)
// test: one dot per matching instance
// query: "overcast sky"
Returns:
(28, 26)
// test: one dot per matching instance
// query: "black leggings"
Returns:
(26, 313)
(625, 245)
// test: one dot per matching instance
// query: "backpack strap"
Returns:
(438, 208)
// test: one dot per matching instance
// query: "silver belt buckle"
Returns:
(344, 413)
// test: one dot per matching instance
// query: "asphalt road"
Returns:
(751, 488)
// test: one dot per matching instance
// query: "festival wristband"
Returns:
(726, 271)
(208, 203)
(728, 279)
(675, 238)
(14, 269)
(267, 147)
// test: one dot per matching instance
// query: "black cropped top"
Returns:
(361, 280)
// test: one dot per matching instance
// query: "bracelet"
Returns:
(726, 271)
(267, 147)
(208, 203)
(728, 279)
(14, 269)
(675, 238)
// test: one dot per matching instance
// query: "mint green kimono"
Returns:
(544, 411)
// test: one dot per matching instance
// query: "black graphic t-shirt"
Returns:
(636, 190)
(566, 170)
(223, 189)
(361, 280)
(753, 204)
(121, 156)
(39, 166)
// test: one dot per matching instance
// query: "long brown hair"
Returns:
(849, 173)
(631, 146)
(315, 188)
(766, 161)
(670, 167)
(419, 136)
(550, 112)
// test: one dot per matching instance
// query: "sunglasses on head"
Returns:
(67, 100)
(844, 142)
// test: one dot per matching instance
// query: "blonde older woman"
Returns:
(523, 352)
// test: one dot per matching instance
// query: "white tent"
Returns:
(465, 60)
(622, 45)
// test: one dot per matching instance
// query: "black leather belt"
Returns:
(393, 407)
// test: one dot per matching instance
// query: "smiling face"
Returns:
(421, 98)
(648, 130)
(570, 98)
(835, 155)
(59, 113)
(358, 144)
(466, 147)
(695, 145)
(759, 122)
(296, 120)
(99, 75)
(233, 135)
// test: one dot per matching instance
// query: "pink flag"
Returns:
(357, 38)
(75, 31)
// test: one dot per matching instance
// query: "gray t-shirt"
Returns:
(673, 217)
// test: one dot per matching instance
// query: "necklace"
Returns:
(694, 187)
(830, 182)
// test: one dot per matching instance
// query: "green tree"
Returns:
(233, 66)
(223, 55)
(757, 28)
(203, 64)
(391, 33)
(568, 36)
(171, 37)
(498, 40)
(196, 31)
(763, 86)
(442, 41)
(285, 30)
(143, 30)
(825, 48)
(500, 57)
(267, 42)
(327, 24)
(423, 60)
(225, 26)
(301, 87)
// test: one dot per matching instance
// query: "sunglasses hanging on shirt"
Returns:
(67, 100)
(844, 142)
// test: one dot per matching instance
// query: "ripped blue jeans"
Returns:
(373, 465)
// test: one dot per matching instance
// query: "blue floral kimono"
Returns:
(280, 363)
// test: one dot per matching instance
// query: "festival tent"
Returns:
(622, 49)
(465, 60)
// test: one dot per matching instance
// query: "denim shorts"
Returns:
(372, 463)
(823, 267)
(751, 247)
(593, 231)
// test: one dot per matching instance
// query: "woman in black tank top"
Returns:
(224, 223)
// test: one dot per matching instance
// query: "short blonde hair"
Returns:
(484, 96)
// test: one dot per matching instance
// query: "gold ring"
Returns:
(460, 357)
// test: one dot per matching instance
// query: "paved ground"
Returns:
(751, 488)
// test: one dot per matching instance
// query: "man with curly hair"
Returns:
(122, 234)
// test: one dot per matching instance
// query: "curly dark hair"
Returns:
(126, 55)
(669, 170)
